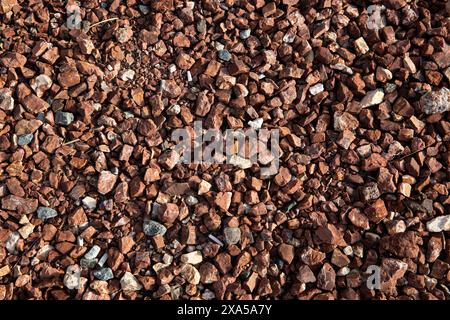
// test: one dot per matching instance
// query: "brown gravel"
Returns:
(94, 203)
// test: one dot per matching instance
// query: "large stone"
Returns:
(391, 271)
(194, 257)
(190, 274)
(104, 274)
(372, 98)
(326, 279)
(24, 139)
(22, 205)
(402, 245)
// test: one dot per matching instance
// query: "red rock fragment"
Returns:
(106, 182)
(168, 213)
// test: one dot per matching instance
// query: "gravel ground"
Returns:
(96, 204)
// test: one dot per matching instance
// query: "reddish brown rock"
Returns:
(168, 213)
(402, 245)
(223, 200)
(286, 252)
(376, 211)
(69, 78)
(326, 278)
(35, 104)
(13, 59)
(330, 234)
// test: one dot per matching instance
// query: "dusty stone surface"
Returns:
(96, 201)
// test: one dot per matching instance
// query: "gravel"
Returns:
(44, 213)
(95, 203)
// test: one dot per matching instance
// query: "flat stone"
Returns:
(88, 263)
(92, 253)
(194, 257)
(224, 55)
(232, 235)
(24, 139)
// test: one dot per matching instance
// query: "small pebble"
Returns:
(232, 235)
(64, 118)
(244, 34)
(224, 55)
(90, 202)
(25, 139)
(153, 228)
(46, 213)
(92, 253)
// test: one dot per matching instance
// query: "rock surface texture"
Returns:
(97, 201)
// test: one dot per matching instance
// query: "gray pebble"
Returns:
(104, 274)
(92, 253)
(201, 26)
(153, 228)
(46, 213)
(41, 116)
(144, 9)
(88, 264)
(224, 55)
(191, 200)
(64, 118)
(232, 235)
(25, 139)
(244, 34)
